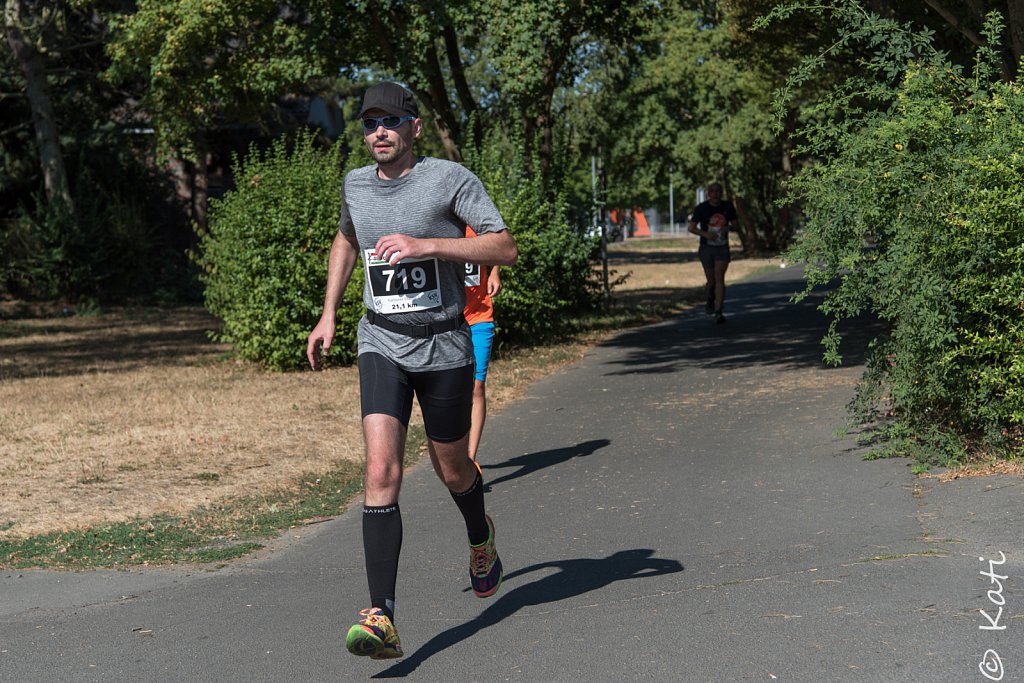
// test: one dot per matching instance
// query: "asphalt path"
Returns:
(676, 506)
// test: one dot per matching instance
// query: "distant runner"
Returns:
(712, 220)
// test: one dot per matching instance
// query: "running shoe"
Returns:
(709, 307)
(719, 317)
(374, 636)
(485, 565)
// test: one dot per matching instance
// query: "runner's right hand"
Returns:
(319, 342)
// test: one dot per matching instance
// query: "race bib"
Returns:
(472, 274)
(409, 285)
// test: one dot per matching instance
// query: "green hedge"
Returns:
(264, 257)
(934, 186)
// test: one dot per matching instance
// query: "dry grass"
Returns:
(131, 413)
(984, 468)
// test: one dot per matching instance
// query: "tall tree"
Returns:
(29, 26)
(210, 63)
(540, 48)
(423, 45)
(956, 25)
(522, 54)
(963, 21)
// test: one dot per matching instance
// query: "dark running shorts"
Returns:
(708, 255)
(445, 396)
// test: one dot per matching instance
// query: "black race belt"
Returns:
(419, 331)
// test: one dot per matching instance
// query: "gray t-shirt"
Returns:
(437, 198)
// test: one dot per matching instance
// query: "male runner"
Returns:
(712, 220)
(406, 216)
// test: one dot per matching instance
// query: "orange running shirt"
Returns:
(479, 308)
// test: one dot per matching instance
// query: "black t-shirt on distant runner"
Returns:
(714, 219)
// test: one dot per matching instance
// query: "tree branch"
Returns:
(952, 20)
(24, 124)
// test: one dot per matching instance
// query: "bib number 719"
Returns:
(409, 285)
(404, 279)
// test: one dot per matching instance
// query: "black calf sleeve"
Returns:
(382, 543)
(471, 505)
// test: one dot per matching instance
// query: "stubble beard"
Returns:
(384, 155)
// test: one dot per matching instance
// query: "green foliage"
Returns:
(554, 273)
(105, 249)
(202, 62)
(535, 46)
(115, 245)
(264, 258)
(916, 212)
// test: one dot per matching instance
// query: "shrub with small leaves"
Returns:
(264, 257)
(554, 275)
(917, 213)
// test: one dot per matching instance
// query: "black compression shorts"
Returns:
(445, 396)
(709, 254)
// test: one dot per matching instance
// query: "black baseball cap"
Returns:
(391, 98)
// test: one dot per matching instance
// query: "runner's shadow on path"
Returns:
(765, 328)
(575, 577)
(531, 462)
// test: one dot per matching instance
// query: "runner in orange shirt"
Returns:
(482, 283)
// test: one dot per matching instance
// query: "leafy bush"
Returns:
(917, 213)
(264, 257)
(103, 249)
(554, 275)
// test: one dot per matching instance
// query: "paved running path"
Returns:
(674, 507)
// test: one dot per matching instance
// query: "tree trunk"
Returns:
(444, 119)
(784, 214)
(545, 149)
(458, 71)
(553, 63)
(745, 229)
(529, 135)
(200, 182)
(1015, 27)
(33, 66)
(748, 238)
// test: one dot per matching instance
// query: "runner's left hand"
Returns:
(394, 248)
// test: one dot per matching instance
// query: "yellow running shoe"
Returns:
(374, 636)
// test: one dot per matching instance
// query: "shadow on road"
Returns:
(764, 328)
(575, 577)
(531, 462)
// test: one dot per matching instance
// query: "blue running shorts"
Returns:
(483, 335)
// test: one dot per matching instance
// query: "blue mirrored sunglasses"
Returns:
(371, 123)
